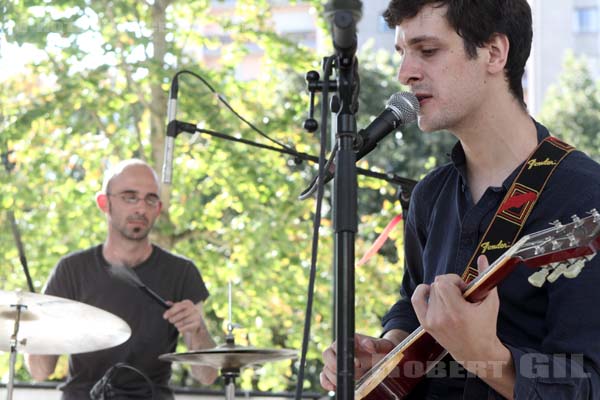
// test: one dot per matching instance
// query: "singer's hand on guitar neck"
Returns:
(367, 351)
(467, 330)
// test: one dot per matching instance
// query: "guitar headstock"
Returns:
(562, 250)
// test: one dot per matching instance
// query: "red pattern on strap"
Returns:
(517, 201)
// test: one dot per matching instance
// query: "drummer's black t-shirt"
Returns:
(83, 276)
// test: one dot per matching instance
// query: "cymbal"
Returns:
(54, 325)
(230, 357)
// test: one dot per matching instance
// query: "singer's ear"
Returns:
(497, 48)
(102, 201)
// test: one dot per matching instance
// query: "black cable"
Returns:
(104, 390)
(316, 225)
(222, 100)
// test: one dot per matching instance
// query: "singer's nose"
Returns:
(409, 71)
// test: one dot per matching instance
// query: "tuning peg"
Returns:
(576, 220)
(558, 226)
(555, 245)
(575, 268)
(573, 241)
(558, 271)
(538, 278)
(594, 213)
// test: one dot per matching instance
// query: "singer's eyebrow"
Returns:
(417, 40)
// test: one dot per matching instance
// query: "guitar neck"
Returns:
(478, 288)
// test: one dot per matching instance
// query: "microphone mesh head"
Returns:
(405, 105)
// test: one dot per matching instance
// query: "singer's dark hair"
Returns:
(476, 21)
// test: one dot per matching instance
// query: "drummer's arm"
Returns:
(189, 320)
(40, 367)
(197, 340)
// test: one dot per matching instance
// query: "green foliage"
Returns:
(572, 108)
(98, 95)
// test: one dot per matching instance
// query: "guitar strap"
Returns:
(518, 202)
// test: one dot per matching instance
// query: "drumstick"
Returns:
(128, 276)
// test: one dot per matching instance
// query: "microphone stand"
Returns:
(345, 214)
(346, 226)
(344, 211)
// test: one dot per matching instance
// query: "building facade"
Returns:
(559, 26)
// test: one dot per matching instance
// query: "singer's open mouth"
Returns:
(423, 98)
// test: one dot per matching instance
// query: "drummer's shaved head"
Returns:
(117, 169)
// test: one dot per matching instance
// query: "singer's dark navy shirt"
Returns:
(538, 325)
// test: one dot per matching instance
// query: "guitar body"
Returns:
(420, 352)
(418, 358)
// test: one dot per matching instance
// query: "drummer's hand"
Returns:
(187, 318)
(185, 315)
(367, 351)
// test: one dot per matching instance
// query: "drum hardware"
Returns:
(230, 358)
(41, 324)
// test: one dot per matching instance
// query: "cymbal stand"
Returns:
(13, 351)
(229, 374)
(229, 339)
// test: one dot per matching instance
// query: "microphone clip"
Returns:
(175, 127)
(103, 390)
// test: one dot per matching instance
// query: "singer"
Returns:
(464, 61)
(129, 199)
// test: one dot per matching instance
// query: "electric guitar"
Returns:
(562, 250)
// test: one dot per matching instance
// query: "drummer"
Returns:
(131, 203)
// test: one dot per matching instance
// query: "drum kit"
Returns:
(41, 324)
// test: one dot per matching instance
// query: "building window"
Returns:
(585, 19)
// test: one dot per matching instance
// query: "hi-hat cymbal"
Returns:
(230, 357)
(54, 325)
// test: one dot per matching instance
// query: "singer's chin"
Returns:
(422, 124)
(426, 125)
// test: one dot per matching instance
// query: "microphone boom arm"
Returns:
(181, 126)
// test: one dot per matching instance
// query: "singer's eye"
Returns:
(428, 52)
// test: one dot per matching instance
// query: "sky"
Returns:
(14, 58)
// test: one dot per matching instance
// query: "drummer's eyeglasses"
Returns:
(130, 197)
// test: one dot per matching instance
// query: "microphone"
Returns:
(167, 171)
(343, 16)
(402, 108)
(102, 389)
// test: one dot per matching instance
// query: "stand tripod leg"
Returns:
(11, 371)
(13, 351)
(230, 375)
(230, 390)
